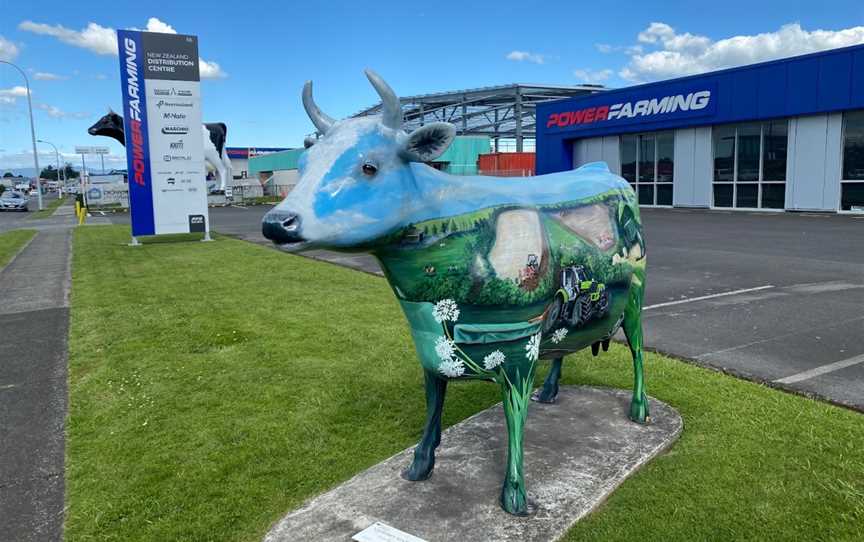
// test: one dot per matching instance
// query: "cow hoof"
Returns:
(639, 411)
(542, 396)
(514, 501)
(417, 474)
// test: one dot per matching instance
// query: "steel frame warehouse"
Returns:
(499, 112)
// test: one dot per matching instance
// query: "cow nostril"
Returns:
(290, 223)
(282, 227)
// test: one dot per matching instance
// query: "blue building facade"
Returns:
(786, 134)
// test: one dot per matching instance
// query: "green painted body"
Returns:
(599, 281)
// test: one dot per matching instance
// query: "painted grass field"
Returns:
(215, 386)
(11, 242)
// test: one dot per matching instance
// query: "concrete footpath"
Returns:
(34, 324)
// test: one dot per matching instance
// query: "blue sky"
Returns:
(266, 50)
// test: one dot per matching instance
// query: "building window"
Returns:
(647, 163)
(852, 182)
(750, 165)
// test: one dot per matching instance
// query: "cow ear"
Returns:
(428, 142)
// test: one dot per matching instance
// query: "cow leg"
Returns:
(424, 454)
(514, 498)
(633, 331)
(220, 171)
(549, 391)
(226, 163)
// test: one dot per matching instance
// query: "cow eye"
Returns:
(369, 169)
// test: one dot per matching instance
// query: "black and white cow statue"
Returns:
(215, 135)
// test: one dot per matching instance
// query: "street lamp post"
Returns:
(57, 157)
(32, 131)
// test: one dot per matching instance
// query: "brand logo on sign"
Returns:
(175, 130)
(177, 145)
(197, 223)
(172, 92)
(174, 116)
(177, 157)
(134, 113)
(164, 103)
(694, 101)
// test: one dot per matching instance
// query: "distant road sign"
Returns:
(91, 150)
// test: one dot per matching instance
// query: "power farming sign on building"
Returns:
(160, 81)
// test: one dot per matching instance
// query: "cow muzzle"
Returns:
(281, 227)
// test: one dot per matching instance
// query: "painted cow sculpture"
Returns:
(492, 273)
(215, 135)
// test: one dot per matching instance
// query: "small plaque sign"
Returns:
(381, 532)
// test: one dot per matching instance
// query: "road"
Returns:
(773, 297)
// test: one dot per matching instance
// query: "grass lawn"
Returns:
(11, 242)
(215, 386)
(48, 209)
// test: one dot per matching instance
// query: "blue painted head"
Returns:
(356, 184)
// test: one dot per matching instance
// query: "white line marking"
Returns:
(821, 370)
(712, 296)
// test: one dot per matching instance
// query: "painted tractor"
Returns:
(579, 300)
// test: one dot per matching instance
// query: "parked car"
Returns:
(14, 201)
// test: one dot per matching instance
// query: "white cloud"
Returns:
(94, 37)
(210, 70)
(592, 76)
(8, 50)
(11, 95)
(525, 56)
(57, 113)
(103, 40)
(155, 25)
(679, 54)
(654, 32)
(605, 48)
(46, 76)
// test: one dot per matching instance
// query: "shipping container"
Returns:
(506, 164)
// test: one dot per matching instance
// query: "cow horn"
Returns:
(391, 110)
(322, 121)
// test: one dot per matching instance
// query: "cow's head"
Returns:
(110, 125)
(355, 185)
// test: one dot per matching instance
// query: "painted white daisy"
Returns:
(445, 348)
(446, 310)
(559, 335)
(452, 367)
(532, 349)
(493, 359)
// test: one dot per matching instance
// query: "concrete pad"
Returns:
(577, 451)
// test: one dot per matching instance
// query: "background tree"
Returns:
(69, 172)
(49, 173)
(8, 174)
